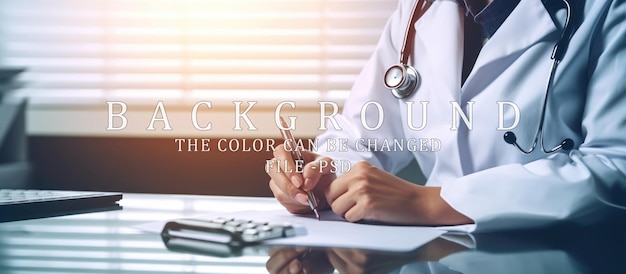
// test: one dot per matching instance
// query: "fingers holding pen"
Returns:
(317, 177)
(315, 170)
(293, 199)
(285, 163)
(287, 182)
(282, 186)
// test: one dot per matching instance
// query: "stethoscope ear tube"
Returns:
(557, 55)
(510, 138)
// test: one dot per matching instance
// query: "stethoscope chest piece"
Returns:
(402, 80)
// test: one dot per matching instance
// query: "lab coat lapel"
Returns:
(527, 24)
(439, 41)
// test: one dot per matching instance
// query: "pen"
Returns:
(296, 154)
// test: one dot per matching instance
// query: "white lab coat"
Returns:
(481, 176)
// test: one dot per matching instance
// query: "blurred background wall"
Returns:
(77, 55)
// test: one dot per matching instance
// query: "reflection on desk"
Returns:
(105, 242)
(505, 253)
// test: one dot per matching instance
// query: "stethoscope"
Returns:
(403, 79)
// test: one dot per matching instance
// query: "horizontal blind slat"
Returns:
(108, 47)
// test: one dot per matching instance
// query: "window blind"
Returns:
(81, 51)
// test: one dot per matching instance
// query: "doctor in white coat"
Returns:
(474, 177)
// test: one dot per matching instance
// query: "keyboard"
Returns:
(21, 204)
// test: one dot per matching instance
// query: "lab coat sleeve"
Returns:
(367, 91)
(562, 186)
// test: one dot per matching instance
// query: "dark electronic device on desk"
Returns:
(8, 79)
(15, 169)
(22, 204)
(17, 200)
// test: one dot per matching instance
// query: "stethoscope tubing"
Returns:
(410, 82)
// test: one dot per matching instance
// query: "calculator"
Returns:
(228, 230)
(223, 237)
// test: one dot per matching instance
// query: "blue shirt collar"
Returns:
(493, 15)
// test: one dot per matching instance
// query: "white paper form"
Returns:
(332, 231)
